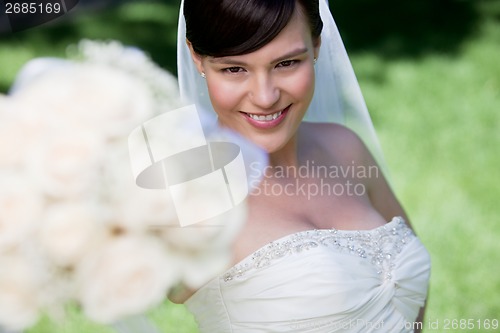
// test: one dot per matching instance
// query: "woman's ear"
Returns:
(196, 57)
(317, 45)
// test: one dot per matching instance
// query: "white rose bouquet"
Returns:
(74, 226)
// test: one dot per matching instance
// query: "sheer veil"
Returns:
(337, 97)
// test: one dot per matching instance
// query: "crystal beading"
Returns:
(380, 245)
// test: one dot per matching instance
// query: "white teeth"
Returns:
(265, 118)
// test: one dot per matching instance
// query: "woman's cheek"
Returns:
(304, 84)
(224, 96)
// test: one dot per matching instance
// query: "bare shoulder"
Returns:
(346, 147)
(338, 140)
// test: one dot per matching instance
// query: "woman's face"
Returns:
(264, 95)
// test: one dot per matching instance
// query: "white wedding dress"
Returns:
(321, 281)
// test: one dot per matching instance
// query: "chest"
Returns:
(282, 206)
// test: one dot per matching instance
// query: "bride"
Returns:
(326, 247)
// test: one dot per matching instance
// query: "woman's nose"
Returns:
(264, 93)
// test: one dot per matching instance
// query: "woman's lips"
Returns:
(267, 121)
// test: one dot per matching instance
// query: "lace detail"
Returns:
(380, 245)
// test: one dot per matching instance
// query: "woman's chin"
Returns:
(270, 143)
(269, 146)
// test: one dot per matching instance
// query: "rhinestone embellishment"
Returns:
(380, 245)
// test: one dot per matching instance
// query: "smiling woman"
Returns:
(265, 94)
(254, 64)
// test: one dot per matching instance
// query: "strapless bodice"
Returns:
(321, 281)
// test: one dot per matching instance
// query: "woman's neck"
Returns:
(287, 155)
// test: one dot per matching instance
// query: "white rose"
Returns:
(68, 230)
(204, 249)
(20, 128)
(145, 209)
(197, 269)
(66, 163)
(134, 208)
(20, 209)
(162, 83)
(116, 177)
(213, 234)
(55, 286)
(127, 275)
(18, 293)
(97, 97)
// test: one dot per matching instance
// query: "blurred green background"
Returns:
(430, 73)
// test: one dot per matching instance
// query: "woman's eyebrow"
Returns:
(226, 61)
(291, 54)
(229, 61)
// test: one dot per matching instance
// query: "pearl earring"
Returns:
(203, 75)
(315, 60)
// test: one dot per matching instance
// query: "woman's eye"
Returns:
(233, 70)
(287, 63)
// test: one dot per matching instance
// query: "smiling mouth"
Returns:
(267, 121)
(268, 117)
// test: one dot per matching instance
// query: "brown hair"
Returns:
(234, 27)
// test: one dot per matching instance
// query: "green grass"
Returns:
(438, 118)
(168, 317)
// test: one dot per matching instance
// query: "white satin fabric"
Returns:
(321, 281)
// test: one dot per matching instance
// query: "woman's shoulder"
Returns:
(337, 139)
(332, 131)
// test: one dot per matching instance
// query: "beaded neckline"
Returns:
(380, 245)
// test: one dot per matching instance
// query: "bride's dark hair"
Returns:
(235, 27)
